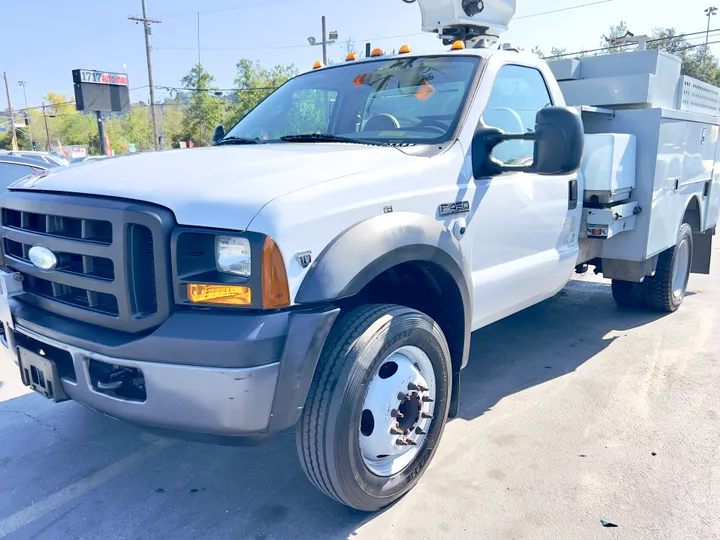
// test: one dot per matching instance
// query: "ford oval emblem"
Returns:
(43, 258)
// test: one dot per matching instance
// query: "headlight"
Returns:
(232, 255)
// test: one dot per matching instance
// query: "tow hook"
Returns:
(116, 379)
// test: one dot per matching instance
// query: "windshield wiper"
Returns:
(239, 140)
(328, 137)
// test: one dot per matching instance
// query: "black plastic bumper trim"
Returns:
(306, 338)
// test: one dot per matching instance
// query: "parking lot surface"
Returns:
(573, 411)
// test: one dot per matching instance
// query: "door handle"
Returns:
(573, 194)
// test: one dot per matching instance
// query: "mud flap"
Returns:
(455, 399)
(702, 252)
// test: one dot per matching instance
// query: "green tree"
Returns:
(205, 110)
(702, 64)
(137, 127)
(254, 83)
(172, 119)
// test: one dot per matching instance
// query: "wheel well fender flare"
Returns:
(694, 207)
(364, 251)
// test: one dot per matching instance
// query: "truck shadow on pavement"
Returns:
(542, 343)
(189, 490)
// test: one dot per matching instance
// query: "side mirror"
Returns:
(218, 134)
(559, 143)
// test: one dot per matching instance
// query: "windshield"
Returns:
(403, 100)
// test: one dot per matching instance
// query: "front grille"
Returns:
(64, 227)
(112, 255)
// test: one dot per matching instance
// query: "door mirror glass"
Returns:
(218, 134)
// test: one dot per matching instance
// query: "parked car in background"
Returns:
(13, 168)
(50, 159)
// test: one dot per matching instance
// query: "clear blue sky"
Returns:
(50, 39)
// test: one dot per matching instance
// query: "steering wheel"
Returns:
(381, 122)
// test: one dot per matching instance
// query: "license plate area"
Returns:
(41, 374)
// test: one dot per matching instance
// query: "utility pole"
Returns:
(47, 128)
(710, 12)
(199, 62)
(324, 41)
(27, 114)
(146, 24)
(12, 116)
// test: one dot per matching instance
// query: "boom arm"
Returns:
(467, 20)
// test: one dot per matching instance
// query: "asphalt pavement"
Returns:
(573, 412)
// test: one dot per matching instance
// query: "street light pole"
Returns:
(324, 41)
(710, 12)
(27, 114)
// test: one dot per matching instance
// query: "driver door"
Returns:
(524, 246)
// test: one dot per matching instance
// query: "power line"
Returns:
(563, 9)
(668, 38)
(225, 10)
(283, 47)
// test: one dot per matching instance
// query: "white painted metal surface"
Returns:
(644, 78)
(439, 14)
(609, 167)
(698, 96)
(387, 421)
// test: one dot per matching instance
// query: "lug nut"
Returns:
(402, 396)
(420, 431)
(400, 442)
(412, 386)
(396, 414)
(410, 442)
(427, 415)
(427, 399)
(422, 388)
(396, 431)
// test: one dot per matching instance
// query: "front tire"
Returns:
(378, 360)
(666, 289)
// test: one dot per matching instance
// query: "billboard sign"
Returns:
(102, 77)
(101, 91)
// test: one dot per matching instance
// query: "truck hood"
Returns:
(222, 187)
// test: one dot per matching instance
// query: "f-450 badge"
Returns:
(450, 209)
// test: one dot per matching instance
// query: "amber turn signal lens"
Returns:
(359, 80)
(224, 295)
(275, 290)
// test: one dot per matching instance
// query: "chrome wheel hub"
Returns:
(681, 269)
(397, 411)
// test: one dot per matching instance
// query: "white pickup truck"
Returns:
(324, 264)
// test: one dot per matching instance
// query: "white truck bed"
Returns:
(675, 124)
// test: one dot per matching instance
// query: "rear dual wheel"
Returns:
(377, 406)
(664, 291)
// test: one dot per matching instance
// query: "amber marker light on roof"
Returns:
(318, 65)
(405, 49)
(377, 52)
(351, 57)
(458, 46)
